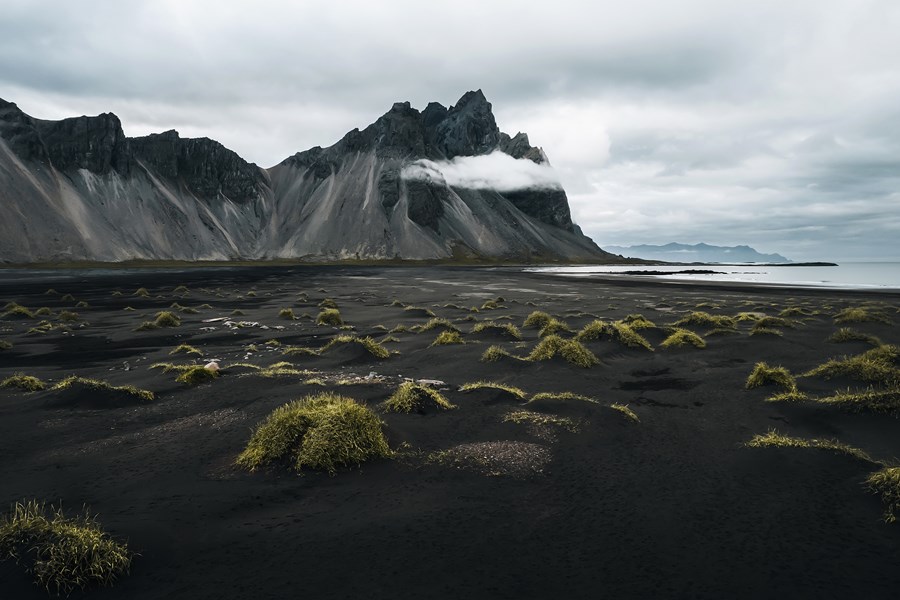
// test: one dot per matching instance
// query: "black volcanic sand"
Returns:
(671, 507)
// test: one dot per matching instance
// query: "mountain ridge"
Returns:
(79, 189)
(701, 252)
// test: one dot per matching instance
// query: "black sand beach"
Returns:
(587, 503)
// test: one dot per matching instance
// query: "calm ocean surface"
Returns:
(850, 275)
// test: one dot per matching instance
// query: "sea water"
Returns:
(850, 275)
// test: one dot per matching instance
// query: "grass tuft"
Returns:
(773, 439)
(572, 351)
(286, 313)
(299, 351)
(323, 432)
(861, 315)
(886, 483)
(412, 397)
(537, 318)
(371, 345)
(886, 401)
(873, 366)
(763, 374)
(534, 418)
(704, 319)
(195, 375)
(495, 353)
(141, 292)
(446, 338)
(329, 316)
(504, 328)
(4, 345)
(625, 410)
(480, 385)
(17, 312)
(439, 322)
(683, 337)
(21, 381)
(563, 396)
(186, 349)
(62, 553)
(845, 334)
(95, 385)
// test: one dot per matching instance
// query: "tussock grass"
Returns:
(537, 318)
(480, 385)
(141, 292)
(747, 316)
(553, 326)
(187, 310)
(789, 396)
(68, 298)
(21, 381)
(371, 345)
(272, 342)
(181, 290)
(763, 374)
(491, 305)
(638, 322)
(504, 328)
(4, 345)
(873, 366)
(704, 319)
(237, 313)
(886, 483)
(51, 292)
(81, 304)
(44, 311)
(167, 318)
(68, 315)
(560, 396)
(169, 367)
(683, 337)
(399, 329)
(846, 334)
(447, 337)
(437, 322)
(495, 353)
(721, 332)
(412, 397)
(186, 349)
(281, 369)
(773, 439)
(398, 303)
(329, 316)
(572, 351)
(619, 330)
(17, 312)
(195, 375)
(796, 311)
(323, 432)
(419, 311)
(772, 322)
(861, 315)
(328, 303)
(625, 410)
(299, 351)
(765, 331)
(74, 382)
(287, 313)
(874, 400)
(533, 418)
(62, 553)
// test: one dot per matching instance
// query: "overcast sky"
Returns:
(774, 124)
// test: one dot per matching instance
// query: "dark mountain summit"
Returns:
(79, 189)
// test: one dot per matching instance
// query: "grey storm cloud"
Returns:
(770, 123)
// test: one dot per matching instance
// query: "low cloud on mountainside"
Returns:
(496, 171)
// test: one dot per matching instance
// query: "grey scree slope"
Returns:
(78, 189)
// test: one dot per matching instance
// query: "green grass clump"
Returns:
(773, 439)
(620, 331)
(563, 396)
(329, 316)
(68, 315)
(704, 319)
(4, 345)
(747, 316)
(683, 337)
(141, 292)
(328, 303)
(370, 344)
(861, 315)
(322, 431)
(638, 322)
(595, 330)
(553, 326)
(281, 369)
(299, 351)
(181, 290)
(412, 397)
(763, 374)
(43, 312)
(789, 396)
(21, 381)
(572, 351)
(495, 353)
(419, 310)
(757, 330)
(439, 322)
(167, 318)
(195, 375)
(534, 418)
(17, 312)
(186, 349)
(846, 334)
(288, 313)
(537, 318)
(721, 332)
(796, 311)
(886, 483)
(82, 304)
(873, 366)
(446, 338)
(771, 323)
(95, 385)
(491, 305)
(504, 328)
(187, 310)
(873, 400)
(237, 313)
(68, 298)
(625, 410)
(62, 553)
(480, 385)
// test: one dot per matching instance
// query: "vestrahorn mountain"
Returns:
(413, 185)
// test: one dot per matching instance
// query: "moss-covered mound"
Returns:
(323, 432)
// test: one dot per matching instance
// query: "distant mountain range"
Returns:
(703, 253)
(441, 183)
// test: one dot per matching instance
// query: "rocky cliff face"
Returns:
(78, 189)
